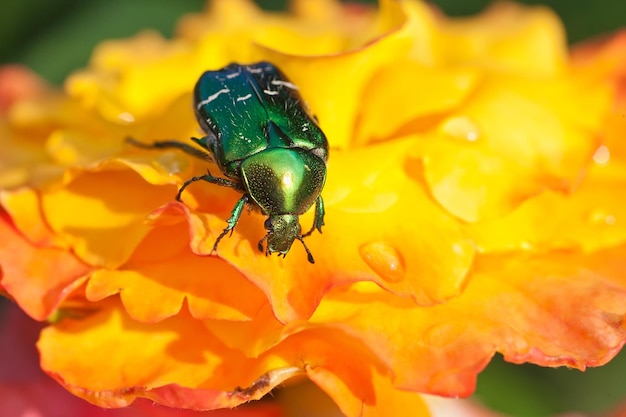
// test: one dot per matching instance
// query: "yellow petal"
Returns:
(101, 213)
(162, 274)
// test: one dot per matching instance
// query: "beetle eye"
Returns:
(268, 225)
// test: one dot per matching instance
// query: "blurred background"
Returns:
(54, 37)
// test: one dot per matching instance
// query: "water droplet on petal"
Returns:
(461, 127)
(459, 249)
(602, 155)
(385, 260)
(126, 117)
(602, 218)
(526, 245)
(443, 334)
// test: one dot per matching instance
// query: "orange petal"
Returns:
(513, 304)
(406, 97)
(118, 85)
(339, 363)
(45, 397)
(387, 400)
(322, 79)
(255, 337)
(25, 391)
(489, 157)
(175, 362)
(507, 37)
(18, 82)
(382, 398)
(370, 236)
(101, 213)
(591, 218)
(162, 273)
(605, 59)
(24, 208)
(38, 278)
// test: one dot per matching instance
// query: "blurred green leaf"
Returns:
(69, 37)
(533, 391)
(21, 20)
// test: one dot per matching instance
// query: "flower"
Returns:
(472, 201)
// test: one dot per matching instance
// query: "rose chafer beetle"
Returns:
(262, 137)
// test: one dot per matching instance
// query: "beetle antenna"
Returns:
(308, 252)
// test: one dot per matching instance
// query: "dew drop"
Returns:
(458, 249)
(461, 127)
(602, 155)
(385, 260)
(526, 245)
(443, 334)
(603, 218)
(126, 117)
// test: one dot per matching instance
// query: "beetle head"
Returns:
(282, 230)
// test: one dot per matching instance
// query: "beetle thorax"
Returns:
(283, 180)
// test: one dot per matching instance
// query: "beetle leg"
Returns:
(318, 221)
(308, 252)
(232, 221)
(209, 178)
(172, 144)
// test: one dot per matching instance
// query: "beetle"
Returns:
(268, 146)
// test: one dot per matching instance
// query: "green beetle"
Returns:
(262, 137)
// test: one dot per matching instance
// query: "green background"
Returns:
(55, 37)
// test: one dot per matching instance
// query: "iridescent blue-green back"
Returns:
(250, 108)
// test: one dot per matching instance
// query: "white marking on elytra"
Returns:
(284, 83)
(212, 97)
(255, 70)
(247, 96)
(233, 75)
(271, 92)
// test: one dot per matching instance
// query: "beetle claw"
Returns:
(260, 245)
(309, 256)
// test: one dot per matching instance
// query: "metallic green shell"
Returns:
(284, 181)
(248, 108)
(262, 136)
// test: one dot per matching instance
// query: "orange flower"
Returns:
(473, 206)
